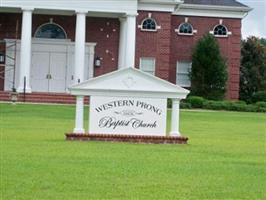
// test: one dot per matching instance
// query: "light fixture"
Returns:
(2, 57)
(97, 61)
(14, 96)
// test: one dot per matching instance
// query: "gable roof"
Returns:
(129, 82)
(231, 3)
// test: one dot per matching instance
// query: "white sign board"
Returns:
(127, 116)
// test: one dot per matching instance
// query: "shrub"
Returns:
(214, 105)
(261, 104)
(185, 105)
(195, 102)
(237, 107)
(208, 74)
(259, 96)
(232, 106)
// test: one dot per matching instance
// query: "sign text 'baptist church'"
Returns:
(122, 115)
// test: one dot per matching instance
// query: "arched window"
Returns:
(220, 30)
(186, 28)
(149, 24)
(50, 31)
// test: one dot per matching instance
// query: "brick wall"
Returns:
(182, 46)
(105, 32)
(7, 30)
(168, 47)
(155, 44)
(165, 45)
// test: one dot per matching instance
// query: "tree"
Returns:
(208, 75)
(253, 68)
(263, 41)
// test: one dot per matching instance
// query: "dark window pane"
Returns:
(220, 30)
(149, 24)
(186, 28)
(51, 31)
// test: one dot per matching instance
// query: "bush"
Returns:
(261, 104)
(240, 106)
(185, 105)
(259, 96)
(214, 105)
(208, 74)
(195, 102)
(237, 107)
(232, 106)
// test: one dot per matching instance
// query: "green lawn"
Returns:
(225, 159)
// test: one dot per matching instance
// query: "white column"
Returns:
(130, 41)
(79, 128)
(122, 43)
(25, 51)
(80, 39)
(91, 61)
(175, 118)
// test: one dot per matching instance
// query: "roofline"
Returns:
(169, 2)
(236, 12)
(215, 7)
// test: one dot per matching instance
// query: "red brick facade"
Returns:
(165, 45)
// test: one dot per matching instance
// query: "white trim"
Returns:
(212, 11)
(154, 87)
(158, 5)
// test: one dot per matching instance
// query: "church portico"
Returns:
(51, 56)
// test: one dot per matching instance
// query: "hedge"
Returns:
(242, 106)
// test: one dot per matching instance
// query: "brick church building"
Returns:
(46, 46)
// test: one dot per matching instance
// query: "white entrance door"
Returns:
(57, 81)
(39, 71)
(48, 72)
(52, 67)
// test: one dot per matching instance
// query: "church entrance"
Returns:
(49, 68)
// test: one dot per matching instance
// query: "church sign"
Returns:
(123, 115)
(128, 105)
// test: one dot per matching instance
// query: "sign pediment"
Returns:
(128, 81)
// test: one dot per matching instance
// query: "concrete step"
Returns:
(39, 97)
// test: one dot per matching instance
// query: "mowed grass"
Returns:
(225, 159)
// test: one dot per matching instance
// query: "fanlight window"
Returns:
(186, 28)
(149, 24)
(50, 31)
(220, 30)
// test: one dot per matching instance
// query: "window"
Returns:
(50, 31)
(185, 29)
(182, 74)
(148, 65)
(220, 30)
(149, 24)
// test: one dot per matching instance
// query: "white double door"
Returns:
(49, 71)
(52, 64)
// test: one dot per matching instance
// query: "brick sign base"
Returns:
(127, 138)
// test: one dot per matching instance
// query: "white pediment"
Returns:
(129, 82)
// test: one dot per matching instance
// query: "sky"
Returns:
(255, 22)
